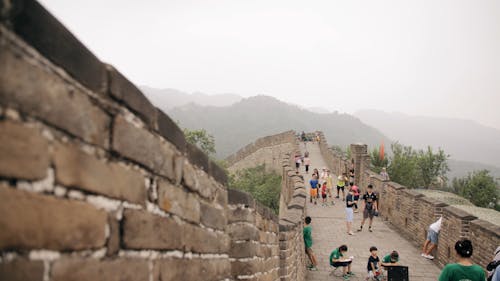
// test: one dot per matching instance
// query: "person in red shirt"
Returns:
(323, 194)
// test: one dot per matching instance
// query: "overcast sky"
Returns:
(425, 57)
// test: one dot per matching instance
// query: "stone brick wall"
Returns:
(411, 213)
(277, 152)
(268, 150)
(98, 184)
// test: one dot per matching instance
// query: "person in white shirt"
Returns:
(432, 239)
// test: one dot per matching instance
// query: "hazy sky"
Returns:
(426, 57)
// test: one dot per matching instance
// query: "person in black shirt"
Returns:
(372, 266)
(370, 207)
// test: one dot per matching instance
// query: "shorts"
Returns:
(372, 274)
(307, 168)
(349, 214)
(340, 187)
(368, 213)
(313, 192)
(432, 236)
(338, 264)
(323, 195)
(297, 165)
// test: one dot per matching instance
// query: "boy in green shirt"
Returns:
(308, 243)
(337, 259)
(391, 259)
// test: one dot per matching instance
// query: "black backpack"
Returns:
(492, 267)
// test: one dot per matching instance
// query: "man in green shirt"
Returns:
(308, 242)
(337, 260)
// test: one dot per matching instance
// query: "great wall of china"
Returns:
(98, 184)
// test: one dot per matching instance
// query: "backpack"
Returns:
(492, 268)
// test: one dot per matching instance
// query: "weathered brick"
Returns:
(34, 221)
(218, 173)
(243, 232)
(168, 129)
(189, 177)
(200, 240)
(193, 269)
(175, 200)
(77, 269)
(35, 24)
(34, 90)
(21, 270)
(123, 90)
(143, 147)
(240, 197)
(75, 168)
(244, 250)
(247, 267)
(113, 244)
(241, 215)
(213, 217)
(142, 230)
(24, 152)
(197, 157)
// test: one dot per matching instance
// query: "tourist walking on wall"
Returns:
(313, 193)
(349, 212)
(370, 207)
(329, 184)
(384, 174)
(355, 192)
(307, 162)
(298, 161)
(432, 239)
(464, 269)
(341, 180)
(308, 242)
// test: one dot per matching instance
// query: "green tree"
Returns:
(417, 168)
(376, 163)
(263, 186)
(202, 139)
(403, 167)
(432, 166)
(479, 187)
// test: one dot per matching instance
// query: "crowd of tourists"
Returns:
(345, 191)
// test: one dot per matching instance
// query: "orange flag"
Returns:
(381, 151)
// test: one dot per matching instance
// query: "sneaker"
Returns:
(337, 196)
(350, 273)
(350, 233)
(313, 268)
(345, 276)
(423, 255)
(356, 211)
(429, 257)
(359, 229)
(370, 229)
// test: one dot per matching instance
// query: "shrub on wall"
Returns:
(265, 187)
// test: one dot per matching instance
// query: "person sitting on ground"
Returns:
(307, 233)
(464, 269)
(370, 207)
(372, 266)
(391, 259)
(337, 260)
(432, 239)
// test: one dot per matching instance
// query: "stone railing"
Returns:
(411, 212)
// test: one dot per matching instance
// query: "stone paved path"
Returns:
(329, 232)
